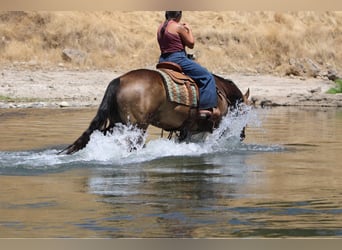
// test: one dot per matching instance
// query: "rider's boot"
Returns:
(212, 113)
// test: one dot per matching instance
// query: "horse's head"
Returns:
(232, 97)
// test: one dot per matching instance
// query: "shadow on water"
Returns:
(283, 181)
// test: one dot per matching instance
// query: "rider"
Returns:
(173, 37)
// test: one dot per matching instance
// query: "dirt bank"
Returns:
(24, 88)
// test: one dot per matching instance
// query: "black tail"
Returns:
(107, 115)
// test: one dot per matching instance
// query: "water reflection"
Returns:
(162, 203)
(283, 181)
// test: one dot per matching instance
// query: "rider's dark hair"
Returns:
(170, 15)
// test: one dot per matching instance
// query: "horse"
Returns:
(139, 98)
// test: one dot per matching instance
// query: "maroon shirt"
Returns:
(169, 42)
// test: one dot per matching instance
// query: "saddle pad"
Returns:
(185, 94)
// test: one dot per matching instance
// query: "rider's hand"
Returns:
(186, 26)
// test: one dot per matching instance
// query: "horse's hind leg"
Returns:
(138, 142)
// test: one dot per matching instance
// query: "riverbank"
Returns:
(61, 88)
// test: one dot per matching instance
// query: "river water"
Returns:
(284, 180)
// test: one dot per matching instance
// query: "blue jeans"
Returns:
(204, 79)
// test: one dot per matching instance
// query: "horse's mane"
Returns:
(225, 80)
(232, 92)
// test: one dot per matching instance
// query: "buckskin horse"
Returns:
(140, 97)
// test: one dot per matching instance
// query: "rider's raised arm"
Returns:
(186, 35)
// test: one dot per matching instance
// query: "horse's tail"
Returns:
(107, 115)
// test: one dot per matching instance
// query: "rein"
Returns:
(220, 94)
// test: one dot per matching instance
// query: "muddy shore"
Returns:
(61, 88)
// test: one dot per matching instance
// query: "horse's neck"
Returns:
(228, 87)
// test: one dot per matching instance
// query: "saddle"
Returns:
(170, 65)
(175, 72)
(181, 88)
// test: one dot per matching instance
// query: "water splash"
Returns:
(115, 148)
(119, 144)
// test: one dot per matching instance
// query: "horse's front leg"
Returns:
(243, 134)
(184, 135)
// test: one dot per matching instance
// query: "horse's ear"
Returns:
(246, 95)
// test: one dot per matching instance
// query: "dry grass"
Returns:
(258, 42)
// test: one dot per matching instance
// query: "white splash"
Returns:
(116, 147)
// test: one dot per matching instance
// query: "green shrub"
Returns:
(338, 88)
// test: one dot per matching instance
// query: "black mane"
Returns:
(227, 86)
